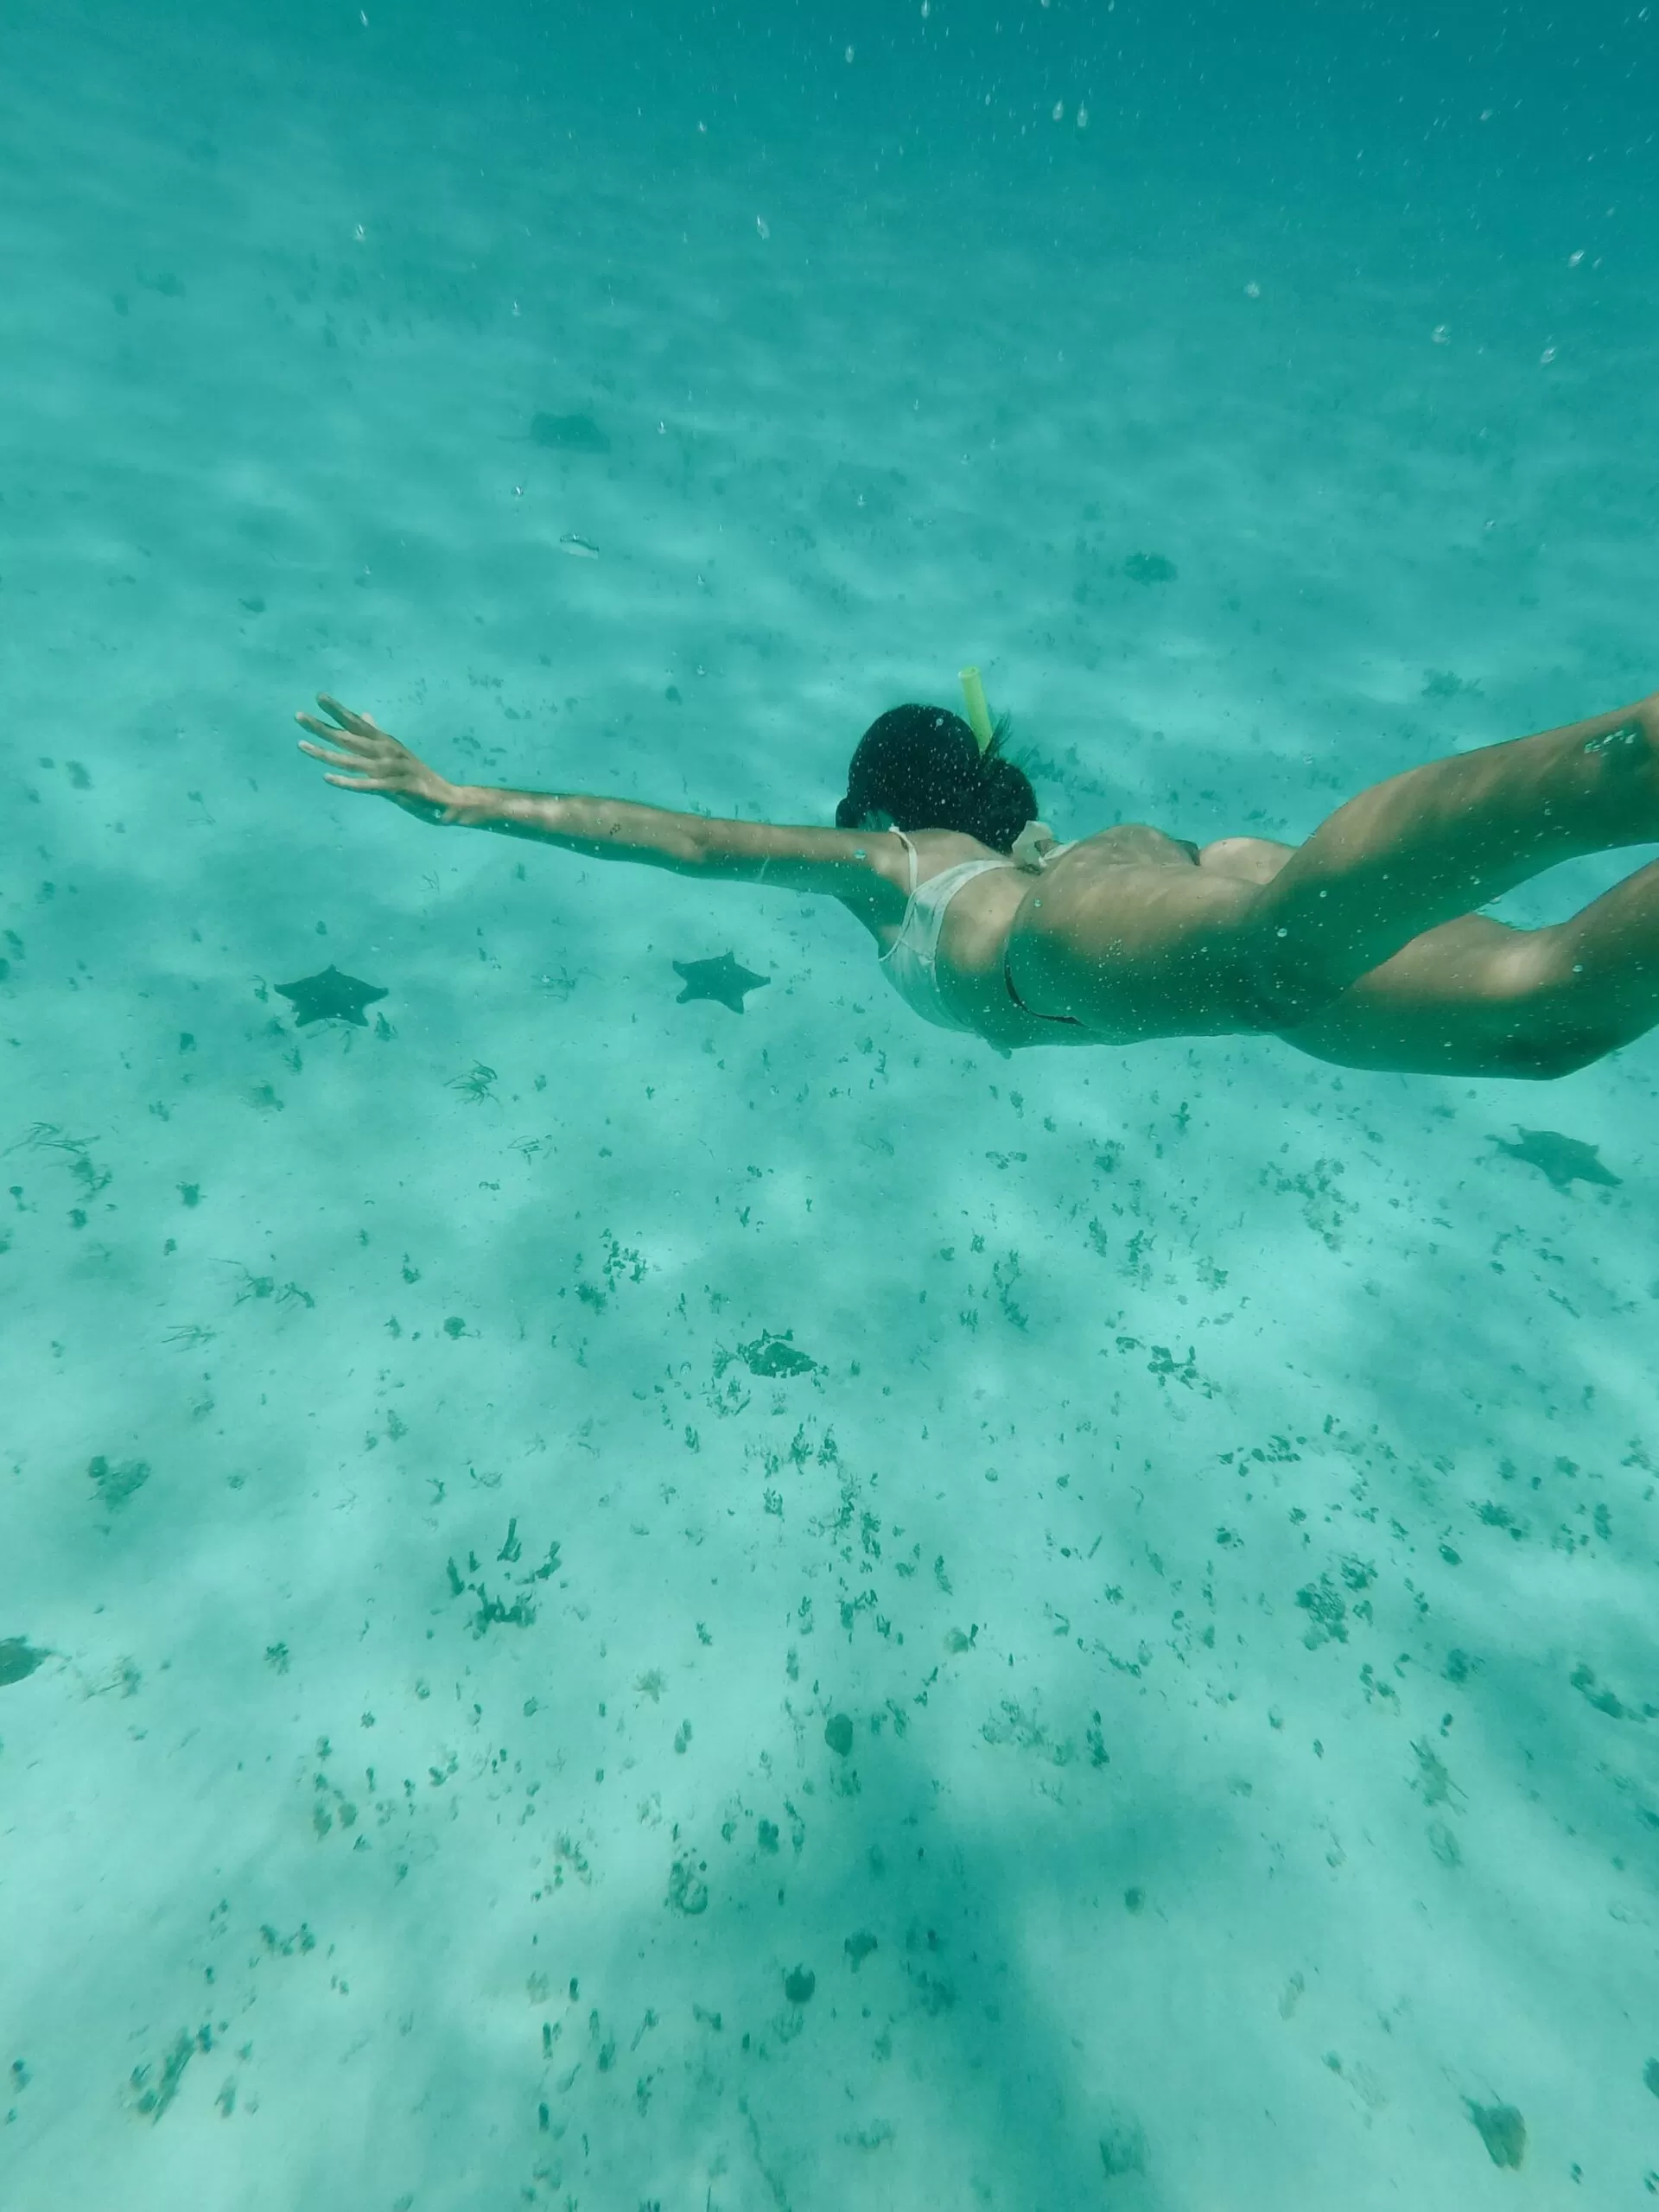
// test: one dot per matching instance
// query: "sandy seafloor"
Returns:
(1160, 1714)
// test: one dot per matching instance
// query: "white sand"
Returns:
(1222, 1820)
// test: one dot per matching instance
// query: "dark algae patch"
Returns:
(18, 1660)
(838, 1733)
(1327, 1612)
(150, 2092)
(1149, 569)
(1502, 2130)
(687, 1890)
(799, 1984)
(495, 1611)
(1123, 2150)
(115, 1486)
(1583, 1680)
(771, 1356)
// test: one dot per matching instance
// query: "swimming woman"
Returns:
(1360, 946)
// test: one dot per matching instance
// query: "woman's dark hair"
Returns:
(922, 767)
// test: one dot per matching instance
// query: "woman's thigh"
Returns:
(1472, 998)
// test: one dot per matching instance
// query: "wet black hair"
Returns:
(922, 767)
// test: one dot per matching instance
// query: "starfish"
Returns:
(770, 1355)
(330, 997)
(1562, 1160)
(723, 979)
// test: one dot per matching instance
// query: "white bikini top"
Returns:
(910, 963)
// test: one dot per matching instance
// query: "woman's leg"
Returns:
(1475, 998)
(1424, 847)
(1241, 943)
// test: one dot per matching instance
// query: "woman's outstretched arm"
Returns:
(837, 863)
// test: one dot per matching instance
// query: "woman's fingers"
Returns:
(337, 736)
(332, 760)
(334, 735)
(358, 724)
(371, 758)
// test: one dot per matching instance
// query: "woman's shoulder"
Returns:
(937, 850)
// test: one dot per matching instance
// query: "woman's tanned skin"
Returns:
(1360, 946)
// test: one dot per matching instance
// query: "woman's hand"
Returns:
(376, 762)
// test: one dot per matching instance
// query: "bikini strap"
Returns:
(910, 849)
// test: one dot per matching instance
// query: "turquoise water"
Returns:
(609, 1603)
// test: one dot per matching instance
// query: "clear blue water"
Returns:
(1160, 1712)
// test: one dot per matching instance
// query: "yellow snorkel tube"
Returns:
(1035, 842)
(979, 715)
